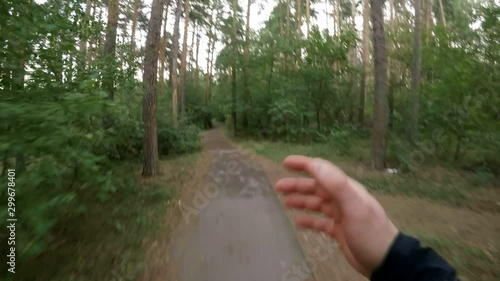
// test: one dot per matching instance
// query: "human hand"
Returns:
(353, 217)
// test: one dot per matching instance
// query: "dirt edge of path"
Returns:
(157, 257)
(480, 230)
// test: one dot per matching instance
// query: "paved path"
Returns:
(242, 233)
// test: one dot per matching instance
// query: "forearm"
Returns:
(407, 260)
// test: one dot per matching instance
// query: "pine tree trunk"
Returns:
(428, 15)
(196, 62)
(380, 93)
(233, 70)
(390, 76)
(162, 51)
(441, 13)
(90, 48)
(182, 75)
(110, 48)
(151, 167)
(364, 57)
(135, 15)
(173, 66)
(336, 17)
(298, 17)
(191, 48)
(287, 31)
(417, 65)
(211, 59)
(207, 74)
(83, 40)
(212, 54)
(308, 16)
(246, 74)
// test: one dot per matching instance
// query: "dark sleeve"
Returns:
(407, 260)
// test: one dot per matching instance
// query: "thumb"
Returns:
(334, 180)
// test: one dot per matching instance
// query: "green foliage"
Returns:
(175, 141)
(54, 119)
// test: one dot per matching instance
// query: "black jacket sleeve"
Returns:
(407, 260)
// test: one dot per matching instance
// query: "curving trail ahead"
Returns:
(233, 227)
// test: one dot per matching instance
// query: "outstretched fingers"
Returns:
(311, 203)
(296, 185)
(327, 175)
(319, 224)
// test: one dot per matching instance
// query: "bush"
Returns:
(175, 141)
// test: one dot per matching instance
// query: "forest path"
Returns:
(232, 225)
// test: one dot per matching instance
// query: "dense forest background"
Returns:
(88, 88)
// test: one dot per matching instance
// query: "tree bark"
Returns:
(441, 13)
(428, 15)
(417, 65)
(207, 74)
(336, 17)
(151, 167)
(191, 48)
(83, 40)
(308, 16)
(246, 74)
(162, 51)
(210, 62)
(110, 48)
(298, 17)
(90, 48)
(364, 57)
(380, 94)
(233, 70)
(173, 66)
(182, 75)
(137, 4)
(196, 62)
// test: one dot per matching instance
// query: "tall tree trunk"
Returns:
(417, 65)
(441, 13)
(233, 69)
(110, 48)
(207, 74)
(428, 15)
(162, 51)
(380, 94)
(173, 66)
(353, 63)
(83, 40)
(191, 48)
(182, 75)
(390, 75)
(211, 57)
(91, 47)
(135, 15)
(246, 74)
(336, 17)
(364, 57)
(149, 100)
(308, 16)
(287, 31)
(196, 62)
(298, 17)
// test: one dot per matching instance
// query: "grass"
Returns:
(109, 241)
(434, 183)
(471, 261)
(474, 260)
